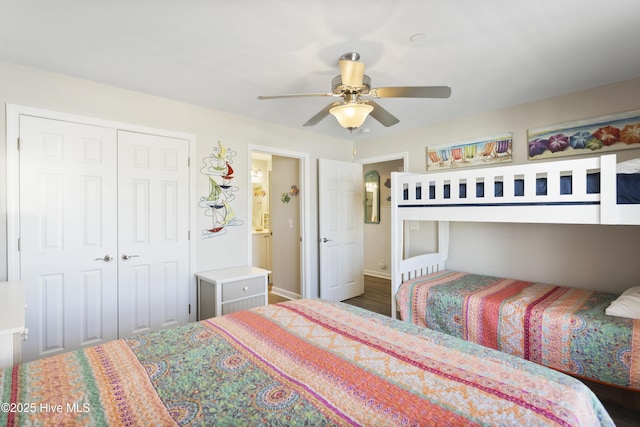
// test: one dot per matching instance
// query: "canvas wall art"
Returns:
(597, 135)
(472, 152)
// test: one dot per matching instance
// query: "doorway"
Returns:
(279, 223)
(377, 234)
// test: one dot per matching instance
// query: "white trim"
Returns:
(94, 121)
(379, 275)
(13, 192)
(284, 293)
(13, 113)
(404, 156)
(305, 209)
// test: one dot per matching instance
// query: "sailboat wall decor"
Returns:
(217, 204)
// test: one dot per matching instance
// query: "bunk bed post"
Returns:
(396, 241)
(443, 243)
(608, 190)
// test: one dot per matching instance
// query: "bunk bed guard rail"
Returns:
(511, 193)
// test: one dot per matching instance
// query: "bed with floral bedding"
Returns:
(306, 362)
(560, 327)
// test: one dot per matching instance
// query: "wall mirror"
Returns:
(372, 197)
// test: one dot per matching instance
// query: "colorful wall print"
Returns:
(286, 197)
(598, 135)
(472, 152)
(217, 204)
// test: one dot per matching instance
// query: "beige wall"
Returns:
(489, 248)
(595, 257)
(35, 88)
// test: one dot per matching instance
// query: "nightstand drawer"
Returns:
(242, 289)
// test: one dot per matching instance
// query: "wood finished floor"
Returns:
(377, 298)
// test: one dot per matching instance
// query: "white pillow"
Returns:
(630, 166)
(626, 305)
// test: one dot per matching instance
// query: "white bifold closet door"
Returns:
(103, 234)
(153, 227)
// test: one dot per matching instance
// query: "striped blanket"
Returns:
(560, 327)
(303, 362)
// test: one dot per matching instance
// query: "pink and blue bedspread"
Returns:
(299, 363)
(559, 327)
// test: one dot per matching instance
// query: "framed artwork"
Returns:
(472, 152)
(601, 134)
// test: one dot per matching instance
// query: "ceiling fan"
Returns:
(354, 87)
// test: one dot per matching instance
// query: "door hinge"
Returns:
(18, 244)
(188, 162)
(189, 235)
(18, 143)
(189, 308)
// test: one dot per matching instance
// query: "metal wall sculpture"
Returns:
(217, 204)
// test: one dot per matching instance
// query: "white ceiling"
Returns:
(224, 53)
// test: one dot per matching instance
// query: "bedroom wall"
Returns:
(35, 88)
(593, 257)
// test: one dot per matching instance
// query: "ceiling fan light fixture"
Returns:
(351, 115)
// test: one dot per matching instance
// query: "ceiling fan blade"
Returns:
(295, 95)
(411, 92)
(380, 114)
(352, 72)
(321, 115)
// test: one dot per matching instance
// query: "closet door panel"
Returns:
(68, 226)
(153, 182)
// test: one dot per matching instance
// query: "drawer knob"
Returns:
(246, 288)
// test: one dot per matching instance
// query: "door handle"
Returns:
(106, 258)
(325, 240)
(128, 257)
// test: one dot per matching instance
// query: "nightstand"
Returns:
(12, 325)
(231, 289)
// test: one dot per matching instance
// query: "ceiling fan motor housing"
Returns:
(338, 88)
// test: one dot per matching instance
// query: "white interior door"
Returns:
(153, 239)
(340, 223)
(103, 233)
(68, 234)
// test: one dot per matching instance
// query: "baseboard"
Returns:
(377, 274)
(284, 293)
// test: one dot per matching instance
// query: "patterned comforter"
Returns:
(303, 362)
(563, 328)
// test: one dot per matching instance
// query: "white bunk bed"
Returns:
(514, 194)
(435, 197)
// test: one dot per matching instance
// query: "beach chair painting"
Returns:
(488, 151)
(473, 152)
(503, 148)
(470, 151)
(457, 156)
(434, 158)
(493, 149)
